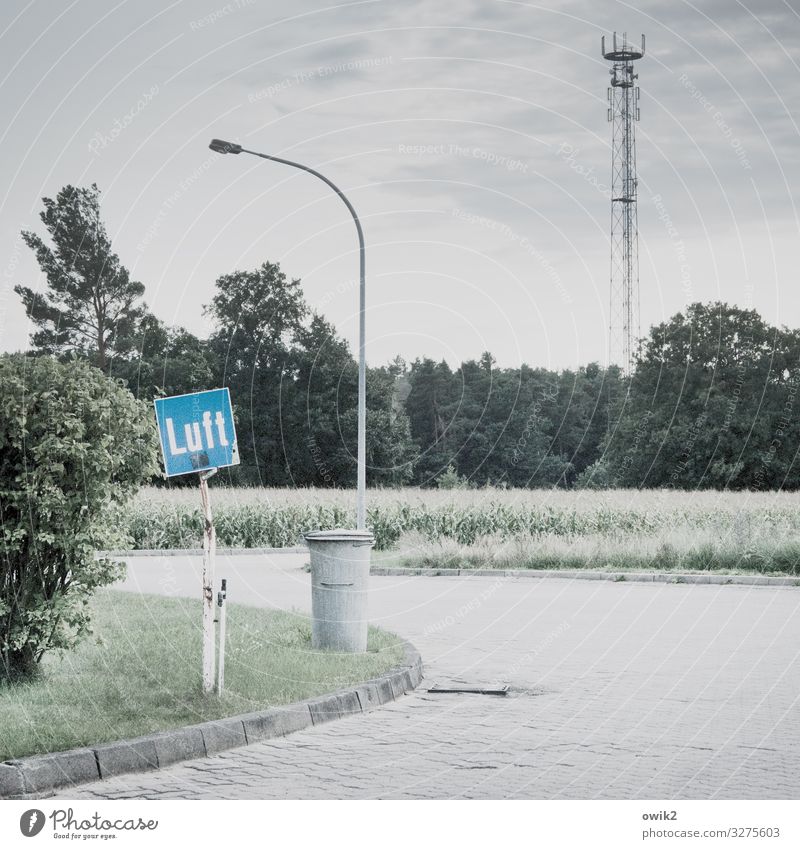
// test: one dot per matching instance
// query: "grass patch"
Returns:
(140, 672)
(671, 549)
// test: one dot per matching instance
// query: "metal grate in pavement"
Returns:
(479, 691)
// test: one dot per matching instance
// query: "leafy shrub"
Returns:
(72, 444)
(596, 476)
(450, 479)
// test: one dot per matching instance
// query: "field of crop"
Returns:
(538, 529)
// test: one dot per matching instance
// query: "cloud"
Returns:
(515, 81)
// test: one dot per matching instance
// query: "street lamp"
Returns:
(220, 146)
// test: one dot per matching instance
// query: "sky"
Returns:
(470, 135)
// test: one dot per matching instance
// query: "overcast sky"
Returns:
(470, 135)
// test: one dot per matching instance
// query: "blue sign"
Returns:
(197, 432)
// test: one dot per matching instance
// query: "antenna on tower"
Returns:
(623, 112)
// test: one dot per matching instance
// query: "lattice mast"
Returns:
(623, 112)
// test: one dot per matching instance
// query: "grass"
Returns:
(140, 672)
(511, 529)
(670, 550)
(583, 501)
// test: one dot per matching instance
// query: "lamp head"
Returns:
(220, 146)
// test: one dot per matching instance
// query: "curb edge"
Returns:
(592, 575)
(40, 776)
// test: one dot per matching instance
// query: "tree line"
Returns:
(711, 402)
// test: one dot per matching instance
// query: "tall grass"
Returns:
(670, 550)
(532, 528)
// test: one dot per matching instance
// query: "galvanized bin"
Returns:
(339, 588)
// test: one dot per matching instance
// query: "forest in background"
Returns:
(711, 403)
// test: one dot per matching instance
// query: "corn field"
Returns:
(494, 527)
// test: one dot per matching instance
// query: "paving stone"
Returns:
(645, 690)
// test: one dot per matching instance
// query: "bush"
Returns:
(72, 444)
(596, 476)
(450, 479)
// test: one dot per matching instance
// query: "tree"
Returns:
(319, 415)
(294, 386)
(257, 315)
(316, 404)
(520, 427)
(391, 453)
(90, 305)
(584, 407)
(713, 403)
(532, 447)
(165, 361)
(434, 391)
(73, 443)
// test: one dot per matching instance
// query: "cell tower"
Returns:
(623, 110)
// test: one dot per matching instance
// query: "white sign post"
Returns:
(221, 598)
(197, 435)
(209, 557)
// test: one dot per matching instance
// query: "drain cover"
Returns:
(480, 691)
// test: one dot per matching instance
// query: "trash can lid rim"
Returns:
(339, 535)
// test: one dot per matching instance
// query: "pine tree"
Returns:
(90, 306)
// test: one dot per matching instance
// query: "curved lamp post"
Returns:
(361, 509)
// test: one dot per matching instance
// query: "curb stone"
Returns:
(222, 734)
(590, 575)
(443, 572)
(277, 722)
(179, 745)
(11, 784)
(126, 756)
(186, 552)
(41, 772)
(39, 776)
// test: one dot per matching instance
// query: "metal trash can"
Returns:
(339, 587)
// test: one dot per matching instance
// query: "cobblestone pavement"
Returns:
(619, 690)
